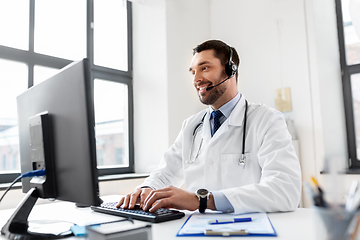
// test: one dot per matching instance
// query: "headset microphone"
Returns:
(209, 88)
(230, 70)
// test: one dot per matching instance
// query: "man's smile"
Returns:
(202, 88)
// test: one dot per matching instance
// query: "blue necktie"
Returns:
(216, 115)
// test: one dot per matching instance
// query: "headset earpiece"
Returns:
(230, 67)
(230, 70)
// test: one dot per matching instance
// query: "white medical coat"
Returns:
(271, 179)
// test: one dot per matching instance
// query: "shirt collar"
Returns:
(227, 108)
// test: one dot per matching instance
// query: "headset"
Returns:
(230, 69)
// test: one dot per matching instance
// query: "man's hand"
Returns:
(171, 197)
(137, 196)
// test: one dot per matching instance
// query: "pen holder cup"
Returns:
(332, 224)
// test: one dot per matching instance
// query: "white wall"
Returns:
(328, 109)
(271, 39)
(164, 32)
(187, 25)
(282, 43)
(150, 83)
(330, 76)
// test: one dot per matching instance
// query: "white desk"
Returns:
(290, 225)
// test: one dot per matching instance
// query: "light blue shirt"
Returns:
(225, 109)
(221, 201)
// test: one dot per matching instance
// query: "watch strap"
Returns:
(203, 204)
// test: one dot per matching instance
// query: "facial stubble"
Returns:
(214, 95)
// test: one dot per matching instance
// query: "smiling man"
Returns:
(234, 156)
(208, 70)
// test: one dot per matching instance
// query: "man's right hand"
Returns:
(137, 196)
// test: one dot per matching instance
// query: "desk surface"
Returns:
(289, 225)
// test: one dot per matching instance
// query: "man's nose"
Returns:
(197, 77)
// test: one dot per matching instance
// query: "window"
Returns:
(349, 44)
(119, 155)
(52, 28)
(99, 156)
(110, 46)
(111, 127)
(16, 34)
(39, 38)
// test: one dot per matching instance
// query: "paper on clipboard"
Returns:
(197, 225)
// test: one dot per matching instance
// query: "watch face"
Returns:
(202, 192)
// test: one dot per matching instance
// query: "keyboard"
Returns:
(161, 215)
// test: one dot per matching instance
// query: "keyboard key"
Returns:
(161, 215)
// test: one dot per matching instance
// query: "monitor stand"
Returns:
(17, 227)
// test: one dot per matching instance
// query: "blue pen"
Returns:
(227, 221)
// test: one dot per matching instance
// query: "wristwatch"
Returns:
(203, 196)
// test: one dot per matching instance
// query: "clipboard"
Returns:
(197, 225)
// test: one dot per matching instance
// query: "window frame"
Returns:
(346, 72)
(32, 58)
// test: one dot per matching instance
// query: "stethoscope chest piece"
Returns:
(242, 160)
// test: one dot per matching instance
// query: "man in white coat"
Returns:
(220, 170)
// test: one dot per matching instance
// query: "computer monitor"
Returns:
(57, 133)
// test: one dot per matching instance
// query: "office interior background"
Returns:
(140, 55)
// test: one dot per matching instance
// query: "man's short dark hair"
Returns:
(221, 51)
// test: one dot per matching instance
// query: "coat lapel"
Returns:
(236, 117)
(206, 131)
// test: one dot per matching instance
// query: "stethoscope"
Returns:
(199, 126)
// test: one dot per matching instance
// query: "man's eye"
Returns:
(205, 68)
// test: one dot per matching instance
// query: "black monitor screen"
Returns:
(67, 98)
